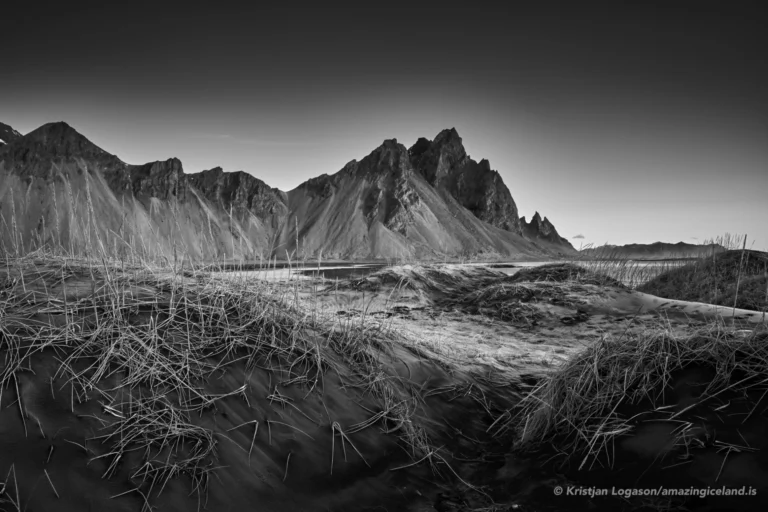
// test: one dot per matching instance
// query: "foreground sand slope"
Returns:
(699, 425)
(125, 389)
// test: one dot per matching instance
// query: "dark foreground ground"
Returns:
(134, 389)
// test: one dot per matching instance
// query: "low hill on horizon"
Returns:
(656, 250)
(429, 201)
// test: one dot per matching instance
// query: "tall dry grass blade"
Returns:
(738, 276)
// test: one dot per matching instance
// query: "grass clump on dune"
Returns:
(512, 302)
(563, 272)
(438, 278)
(505, 302)
(516, 298)
(731, 278)
(583, 407)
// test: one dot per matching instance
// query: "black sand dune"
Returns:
(125, 390)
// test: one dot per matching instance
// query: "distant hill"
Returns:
(431, 200)
(713, 280)
(7, 134)
(654, 251)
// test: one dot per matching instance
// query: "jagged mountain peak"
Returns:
(485, 165)
(447, 140)
(53, 126)
(55, 132)
(389, 156)
(537, 221)
(35, 153)
(390, 145)
(450, 145)
(422, 144)
(448, 135)
(445, 164)
(542, 229)
(58, 140)
(434, 159)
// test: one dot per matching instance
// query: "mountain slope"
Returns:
(60, 188)
(382, 207)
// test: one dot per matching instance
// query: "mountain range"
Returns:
(429, 200)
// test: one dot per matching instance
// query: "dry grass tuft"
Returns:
(565, 272)
(144, 340)
(515, 298)
(577, 408)
(448, 279)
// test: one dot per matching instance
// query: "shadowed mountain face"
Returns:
(445, 165)
(654, 251)
(432, 200)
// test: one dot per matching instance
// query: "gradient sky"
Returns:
(622, 124)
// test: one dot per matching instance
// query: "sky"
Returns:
(620, 123)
